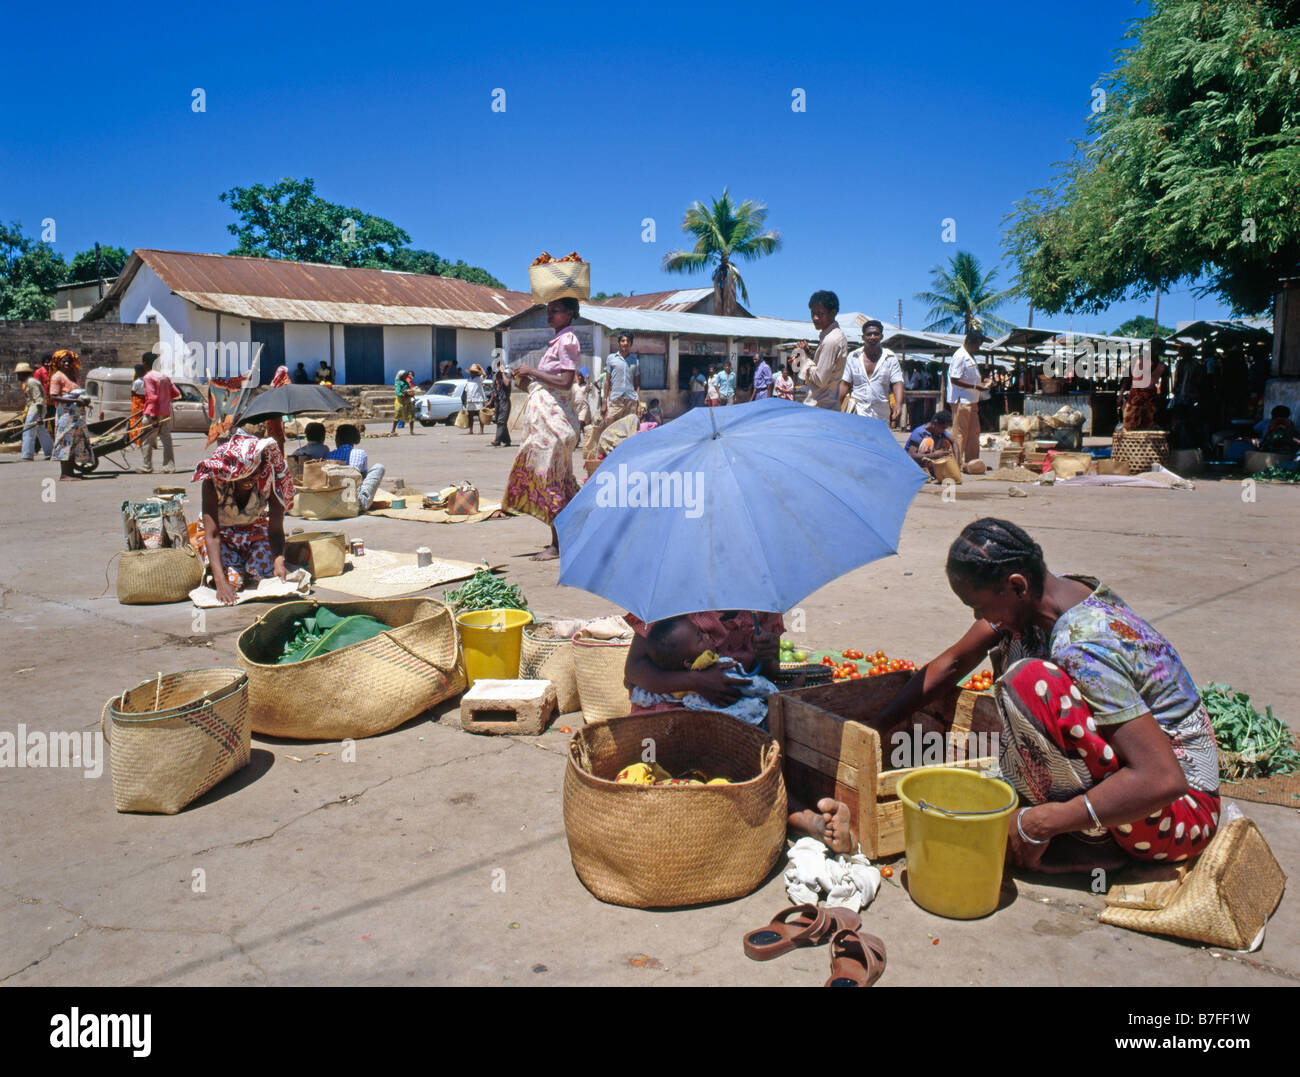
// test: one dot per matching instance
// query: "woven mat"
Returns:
(1283, 789)
(488, 510)
(388, 574)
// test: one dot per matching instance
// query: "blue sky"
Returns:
(914, 114)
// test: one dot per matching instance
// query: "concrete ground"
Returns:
(439, 857)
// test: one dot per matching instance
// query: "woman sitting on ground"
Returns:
(1104, 734)
(656, 664)
(246, 490)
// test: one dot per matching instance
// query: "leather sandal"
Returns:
(857, 959)
(799, 925)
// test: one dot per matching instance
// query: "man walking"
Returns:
(965, 383)
(726, 384)
(872, 375)
(34, 414)
(619, 394)
(826, 368)
(762, 379)
(159, 392)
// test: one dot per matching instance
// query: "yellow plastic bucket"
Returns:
(955, 830)
(490, 641)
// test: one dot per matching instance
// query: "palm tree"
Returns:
(723, 231)
(963, 292)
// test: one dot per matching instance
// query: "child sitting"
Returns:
(315, 449)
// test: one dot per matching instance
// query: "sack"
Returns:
(151, 577)
(323, 552)
(1069, 464)
(598, 667)
(654, 846)
(361, 690)
(155, 524)
(464, 502)
(946, 468)
(544, 656)
(313, 475)
(560, 280)
(176, 737)
(331, 504)
(462, 420)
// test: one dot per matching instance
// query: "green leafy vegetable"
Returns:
(486, 591)
(1251, 744)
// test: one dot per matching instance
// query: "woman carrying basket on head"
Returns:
(246, 490)
(541, 481)
(1104, 735)
(71, 438)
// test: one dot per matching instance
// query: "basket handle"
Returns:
(103, 729)
(106, 568)
(927, 806)
(446, 670)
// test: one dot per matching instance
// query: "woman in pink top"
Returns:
(541, 481)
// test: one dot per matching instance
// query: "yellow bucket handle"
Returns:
(926, 806)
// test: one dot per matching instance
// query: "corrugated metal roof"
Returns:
(681, 300)
(684, 322)
(280, 290)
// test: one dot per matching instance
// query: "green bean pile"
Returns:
(486, 591)
(1261, 744)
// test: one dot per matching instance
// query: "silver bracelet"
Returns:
(1021, 830)
(1088, 804)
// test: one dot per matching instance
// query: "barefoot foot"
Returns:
(548, 554)
(829, 824)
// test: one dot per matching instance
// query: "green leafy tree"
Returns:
(962, 292)
(474, 274)
(1142, 327)
(606, 295)
(414, 260)
(289, 220)
(1191, 172)
(724, 231)
(84, 265)
(29, 274)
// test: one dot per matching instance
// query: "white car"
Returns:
(441, 403)
(109, 391)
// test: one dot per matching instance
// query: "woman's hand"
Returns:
(281, 569)
(715, 686)
(1021, 853)
(225, 589)
(767, 647)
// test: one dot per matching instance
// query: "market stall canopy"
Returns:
(1258, 330)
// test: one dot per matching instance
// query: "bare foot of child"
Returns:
(829, 824)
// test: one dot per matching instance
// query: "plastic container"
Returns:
(490, 641)
(955, 832)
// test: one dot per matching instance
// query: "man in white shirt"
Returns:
(871, 374)
(965, 383)
(823, 373)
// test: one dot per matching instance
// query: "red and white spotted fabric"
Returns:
(1052, 751)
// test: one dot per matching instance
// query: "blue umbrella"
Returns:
(749, 507)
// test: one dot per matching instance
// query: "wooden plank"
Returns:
(822, 764)
(889, 829)
(807, 786)
(887, 784)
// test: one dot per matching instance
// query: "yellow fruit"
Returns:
(719, 781)
(636, 774)
(707, 659)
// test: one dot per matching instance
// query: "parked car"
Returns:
(441, 403)
(109, 390)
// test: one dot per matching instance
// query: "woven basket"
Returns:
(150, 577)
(358, 691)
(1226, 897)
(813, 674)
(543, 657)
(175, 737)
(1139, 449)
(648, 846)
(598, 667)
(560, 280)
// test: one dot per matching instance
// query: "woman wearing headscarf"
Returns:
(246, 490)
(71, 438)
(499, 402)
(783, 384)
(404, 405)
(541, 481)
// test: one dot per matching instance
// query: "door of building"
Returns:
(271, 336)
(363, 352)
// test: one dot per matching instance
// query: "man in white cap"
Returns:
(34, 415)
(965, 383)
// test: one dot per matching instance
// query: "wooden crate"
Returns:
(830, 748)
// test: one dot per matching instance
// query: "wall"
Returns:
(98, 344)
(147, 296)
(307, 343)
(475, 346)
(408, 347)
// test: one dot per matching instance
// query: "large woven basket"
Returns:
(1139, 449)
(544, 657)
(1226, 897)
(149, 577)
(560, 280)
(598, 666)
(173, 738)
(358, 691)
(666, 846)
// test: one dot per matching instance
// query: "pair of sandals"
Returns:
(857, 959)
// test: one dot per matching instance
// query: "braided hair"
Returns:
(989, 550)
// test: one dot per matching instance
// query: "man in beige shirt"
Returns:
(827, 366)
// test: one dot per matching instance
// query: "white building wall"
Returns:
(148, 297)
(307, 343)
(408, 347)
(475, 346)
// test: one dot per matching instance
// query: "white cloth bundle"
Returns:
(815, 873)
